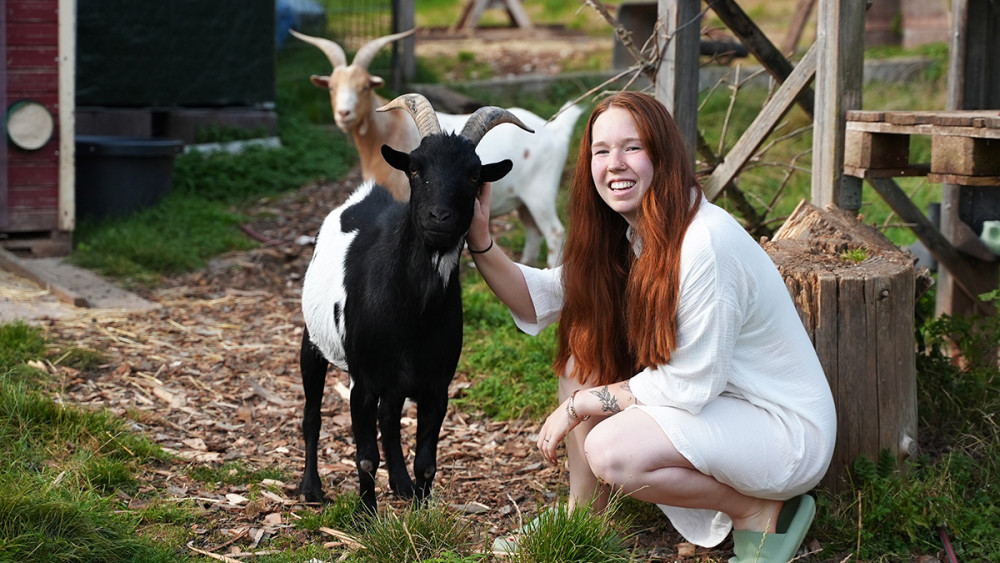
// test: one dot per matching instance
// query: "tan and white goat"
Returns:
(530, 189)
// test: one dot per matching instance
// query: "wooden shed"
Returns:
(36, 164)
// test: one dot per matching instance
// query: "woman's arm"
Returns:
(500, 272)
(601, 401)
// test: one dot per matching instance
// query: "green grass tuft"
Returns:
(418, 533)
(580, 536)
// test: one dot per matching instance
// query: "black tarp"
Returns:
(175, 53)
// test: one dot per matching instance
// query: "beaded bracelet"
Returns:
(483, 251)
(571, 408)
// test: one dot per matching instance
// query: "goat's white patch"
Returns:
(324, 296)
(445, 262)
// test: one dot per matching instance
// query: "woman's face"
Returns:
(621, 167)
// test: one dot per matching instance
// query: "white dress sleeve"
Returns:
(545, 287)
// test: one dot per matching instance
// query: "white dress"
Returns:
(743, 397)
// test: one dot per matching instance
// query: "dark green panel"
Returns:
(170, 53)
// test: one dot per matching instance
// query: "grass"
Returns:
(64, 469)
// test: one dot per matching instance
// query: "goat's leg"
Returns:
(313, 366)
(430, 417)
(363, 421)
(532, 236)
(390, 411)
(545, 221)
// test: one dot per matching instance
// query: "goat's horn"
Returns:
(365, 54)
(487, 118)
(333, 51)
(421, 110)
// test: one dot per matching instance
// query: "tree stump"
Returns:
(855, 292)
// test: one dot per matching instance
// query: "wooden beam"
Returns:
(757, 43)
(762, 125)
(839, 79)
(973, 83)
(4, 183)
(939, 247)
(802, 12)
(404, 59)
(677, 76)
(67, 111)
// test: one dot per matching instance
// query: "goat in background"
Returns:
(531, 188)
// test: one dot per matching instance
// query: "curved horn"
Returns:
(367, 52)
(487, 118)
(421, 111)
(332, 51)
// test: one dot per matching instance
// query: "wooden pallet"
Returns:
(965, 145)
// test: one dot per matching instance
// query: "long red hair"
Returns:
(620, 310)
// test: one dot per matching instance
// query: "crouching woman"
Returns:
(686, 377)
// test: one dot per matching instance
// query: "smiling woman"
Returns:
(676, 335)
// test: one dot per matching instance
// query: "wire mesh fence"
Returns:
(353, 22)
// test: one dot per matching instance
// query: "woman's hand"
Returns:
(479, 231)
(557, 426)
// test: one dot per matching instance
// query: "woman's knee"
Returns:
(602, 449)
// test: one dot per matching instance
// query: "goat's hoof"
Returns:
(405, 490)
(313, 494)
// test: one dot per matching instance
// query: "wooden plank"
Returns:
(676, 81)
(903, 387)
(802, 11)
(840, 34)
(910, 171)
(6, 148)
(31, 10)
(826, 326)
(965, 156)
(961, 180)
(40, 56)
(516, 12)
(762, 125)
(857, 397)
(867, 390)
(864, 149)
(922, 129)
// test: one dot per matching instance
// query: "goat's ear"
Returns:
(495, 171)
(321, 81)
(397, 159)
(376, 82)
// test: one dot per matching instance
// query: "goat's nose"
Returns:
(441, 215)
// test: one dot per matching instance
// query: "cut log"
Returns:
(855, 293)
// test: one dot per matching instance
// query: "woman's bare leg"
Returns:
(584, 486)
(630, 451)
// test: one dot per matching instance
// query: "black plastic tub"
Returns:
(116, 176)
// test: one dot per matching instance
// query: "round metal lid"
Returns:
(29, 125)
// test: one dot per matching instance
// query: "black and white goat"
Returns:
(381, 299)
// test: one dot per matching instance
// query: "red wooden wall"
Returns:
(29, 180)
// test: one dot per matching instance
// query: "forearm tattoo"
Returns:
(608, 401)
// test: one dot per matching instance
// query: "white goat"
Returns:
(530, 189)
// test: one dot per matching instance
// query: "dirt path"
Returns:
(212, 376)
